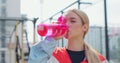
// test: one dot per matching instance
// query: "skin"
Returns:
(75, 32)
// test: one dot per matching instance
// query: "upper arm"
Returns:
(41, 52)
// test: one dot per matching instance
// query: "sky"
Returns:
(46, 8)
(43, 9)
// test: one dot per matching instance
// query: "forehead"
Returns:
(71, 14)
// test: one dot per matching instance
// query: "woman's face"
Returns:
(75, 26)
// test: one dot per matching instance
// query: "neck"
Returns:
(76, 44)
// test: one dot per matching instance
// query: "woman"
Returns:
(77, 50)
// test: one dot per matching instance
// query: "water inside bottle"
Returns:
(53, 29)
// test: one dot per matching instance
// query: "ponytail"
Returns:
(91, 54)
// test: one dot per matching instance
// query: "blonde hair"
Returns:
(91, 54)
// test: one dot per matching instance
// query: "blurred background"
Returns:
(19, 18)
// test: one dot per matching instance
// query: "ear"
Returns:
(85, 27)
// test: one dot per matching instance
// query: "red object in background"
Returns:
(53, 29)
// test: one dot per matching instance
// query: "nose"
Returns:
(67, 23)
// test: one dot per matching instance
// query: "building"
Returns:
(8, 8)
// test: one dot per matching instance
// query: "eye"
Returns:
(72, 21)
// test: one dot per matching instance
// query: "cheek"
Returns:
(76, 29)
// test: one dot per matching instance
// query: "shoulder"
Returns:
(60, 53)
(59, 50)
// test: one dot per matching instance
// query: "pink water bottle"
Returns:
(53, 29)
